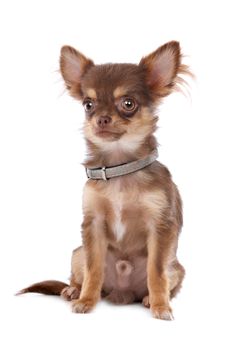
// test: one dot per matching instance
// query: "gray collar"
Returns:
(119, 170)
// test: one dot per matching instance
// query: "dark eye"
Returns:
(88, 105)
(128, 104)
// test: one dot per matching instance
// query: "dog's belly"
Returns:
(125, 275)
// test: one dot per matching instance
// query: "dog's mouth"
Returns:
(104, 133)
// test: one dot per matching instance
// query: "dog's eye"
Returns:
(88, 105)
(128, 104)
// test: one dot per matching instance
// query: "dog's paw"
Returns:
(145, 301)
(162, 312)
(82, 306)
(70, 293)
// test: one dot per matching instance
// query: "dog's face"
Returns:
(119, 99)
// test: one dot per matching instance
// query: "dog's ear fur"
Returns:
(73, 66)
(162, 68)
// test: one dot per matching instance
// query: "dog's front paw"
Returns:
(83, 305)
(70, 293)
(162, 312)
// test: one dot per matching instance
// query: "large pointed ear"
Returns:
(162, 68)
(73, 66)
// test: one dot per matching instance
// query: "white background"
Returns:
(41, 148)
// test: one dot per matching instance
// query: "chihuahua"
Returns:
(132, 209)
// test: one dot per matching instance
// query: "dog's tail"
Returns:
(50, 287)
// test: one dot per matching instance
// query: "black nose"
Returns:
(103, 121)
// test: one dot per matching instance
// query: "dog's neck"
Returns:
(116, 154)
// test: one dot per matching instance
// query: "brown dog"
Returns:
(132, 209)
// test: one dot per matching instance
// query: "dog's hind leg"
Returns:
(176, 276)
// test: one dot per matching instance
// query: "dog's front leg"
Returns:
(95, 246)
(159, 248)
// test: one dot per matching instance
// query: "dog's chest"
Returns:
(134, 208)
(125, 202)
(118, 204)
(126, 209)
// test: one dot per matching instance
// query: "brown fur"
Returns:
(131, 223)
(50, 287)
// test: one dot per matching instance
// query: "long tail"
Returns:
(50, 287)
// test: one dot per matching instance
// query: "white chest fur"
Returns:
(151, 203)
(118, 227)
(117, 198)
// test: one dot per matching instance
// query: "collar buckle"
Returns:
(87, 173)
(103, 171)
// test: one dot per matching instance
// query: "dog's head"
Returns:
(119, 99)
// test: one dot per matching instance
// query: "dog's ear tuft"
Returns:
(73, 66)
(162, 67)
